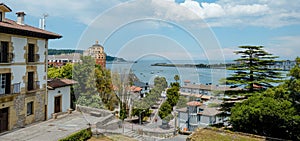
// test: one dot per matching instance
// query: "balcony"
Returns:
(6, 57)
(32, 58)
(14, 89)
(33, 86)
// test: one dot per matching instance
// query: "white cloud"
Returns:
(81, 11)
(285, 46)
(267, 13)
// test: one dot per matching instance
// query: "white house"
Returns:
(197, 115)
(59, 96)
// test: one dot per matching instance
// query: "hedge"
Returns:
(82, 135)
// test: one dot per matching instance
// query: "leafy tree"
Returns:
(251, 68)
(93, 81)
(161, 83)
(265, 115)
(274, 112)
(172, 96)
(164, 110)
(176, 78)
(123, 113)
(53, 72)
(294, 84)
(181, 102)
(66, 71)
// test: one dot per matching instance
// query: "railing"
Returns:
(33, 58)
(34, 86)
(14, 89)
(6, 57)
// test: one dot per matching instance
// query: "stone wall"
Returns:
(19, 103)
(89, 110)
(39, 106)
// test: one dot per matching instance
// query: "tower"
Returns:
(97, 52)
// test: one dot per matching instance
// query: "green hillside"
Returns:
(68, 51)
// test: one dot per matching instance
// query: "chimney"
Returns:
(20, 18)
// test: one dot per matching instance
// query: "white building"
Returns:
(197, 115)
(59, 96)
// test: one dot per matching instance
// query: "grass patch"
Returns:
(112, 138)
(210, 135)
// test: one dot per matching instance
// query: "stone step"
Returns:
(134, 135)
(112, 125)
(105, 120)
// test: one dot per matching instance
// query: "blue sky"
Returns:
(174, 29)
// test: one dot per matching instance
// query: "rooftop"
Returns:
(57, 83)
(72, 56)
(194, 103)
(210, 87)
(11, 27)
(210, 111)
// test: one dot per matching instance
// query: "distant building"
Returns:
(284, 65)
(204, 89)
(144, 87)
(63, 59)
(59, 96)
(97, 52)
(23, 71)
(197, 115)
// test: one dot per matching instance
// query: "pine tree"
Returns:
(252, 68)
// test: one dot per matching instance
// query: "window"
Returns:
(4, 52)
(31, 53)
(30, 108)
(5, 83)
(30, 81)
(1, 16)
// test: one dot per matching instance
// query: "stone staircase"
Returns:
(112, 125)
(134, 135)
(105, 120)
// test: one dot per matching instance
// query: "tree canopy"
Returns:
(252, 68)
(274, 112)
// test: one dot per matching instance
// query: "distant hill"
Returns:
(68, 51)
(63, 51)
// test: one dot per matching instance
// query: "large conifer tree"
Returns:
(252, 68)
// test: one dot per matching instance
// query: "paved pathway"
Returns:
(50, 130)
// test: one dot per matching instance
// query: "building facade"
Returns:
(23, 71)
(197, 115)
(63, 59)
(97, 52)
(59, 96)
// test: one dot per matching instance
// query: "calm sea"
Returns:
(146, 73)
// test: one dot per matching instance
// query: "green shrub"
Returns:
(82, 135)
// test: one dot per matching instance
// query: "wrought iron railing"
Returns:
(33, 57)
(14, 89)
(6, 57)
(34, 86)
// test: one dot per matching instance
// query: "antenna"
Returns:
(42, 23)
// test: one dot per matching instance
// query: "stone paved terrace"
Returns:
(50, 130)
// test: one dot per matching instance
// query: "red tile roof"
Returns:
(56, 83)
(11, 27)
(135, 89)
(194, 103)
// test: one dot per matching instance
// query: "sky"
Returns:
(170, 29)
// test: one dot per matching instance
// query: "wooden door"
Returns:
(57, 104)
(3, 119)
